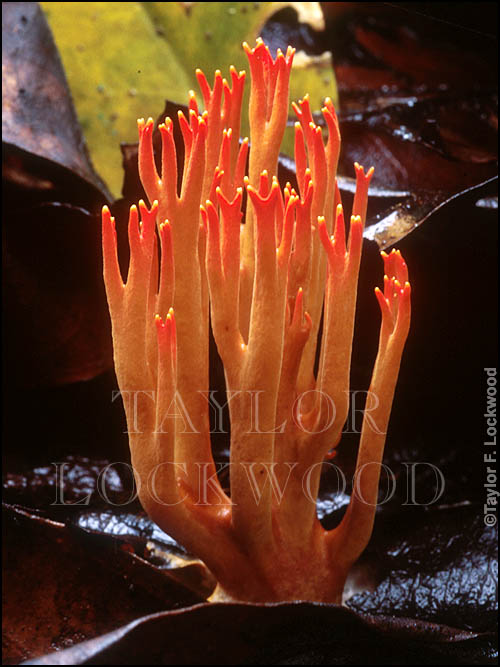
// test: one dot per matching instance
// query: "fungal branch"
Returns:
(268, 113)
(263, 270)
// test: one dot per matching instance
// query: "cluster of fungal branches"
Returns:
(262, 271)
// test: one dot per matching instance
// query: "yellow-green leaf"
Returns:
(123, 60)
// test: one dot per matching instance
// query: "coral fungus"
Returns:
(263, 286)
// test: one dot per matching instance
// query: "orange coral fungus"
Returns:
(263, 285)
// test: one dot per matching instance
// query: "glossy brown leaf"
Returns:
(418, 101)
(61, 586)
(439, 566)
(286, 633)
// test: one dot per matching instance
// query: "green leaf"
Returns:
(123, 60)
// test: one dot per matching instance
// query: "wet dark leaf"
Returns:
(289, 633)
(404, 158)
(133, 527)
(390, 41)
(434, 131)
(392, 224)
(62, 586)
(439, 566)
(144, 538)
(57, 325)
(451, 155)
(76, 480)
(100, 498)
